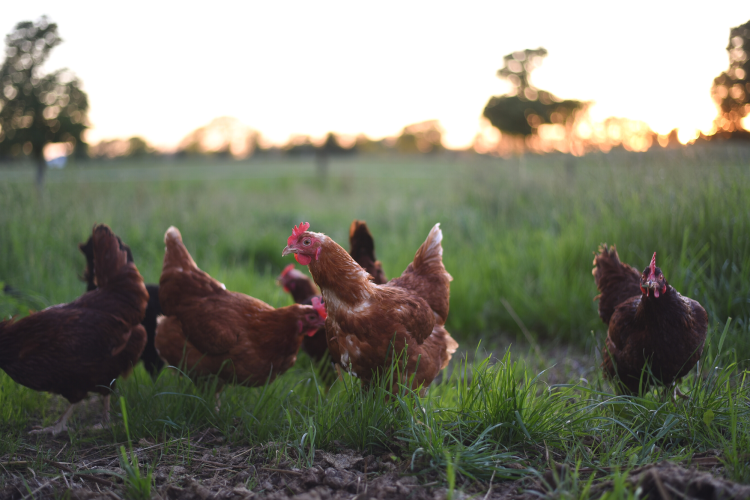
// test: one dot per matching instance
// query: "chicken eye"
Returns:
(306, 242)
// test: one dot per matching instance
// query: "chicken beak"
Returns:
(288, 250)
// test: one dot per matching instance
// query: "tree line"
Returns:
(37, 109)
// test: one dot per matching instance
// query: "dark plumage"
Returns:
(649, 322)
(81, 347)
(151, 360)
(362, 250)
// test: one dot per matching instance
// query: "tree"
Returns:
(422, 137)
(330, 147)
(134, 147)
(37, 109)
(731, 89)
(525, 108)
(224, 137)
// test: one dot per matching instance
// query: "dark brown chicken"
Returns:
(217, 332)
(367, 323)
(362, 250)
(649, 322)
(151, 360)
(81, 347)
(303, 289)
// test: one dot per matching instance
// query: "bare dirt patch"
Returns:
(208, 468)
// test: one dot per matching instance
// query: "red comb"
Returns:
(303, 226)
(319, 306)
(286, 270)
(653, 265)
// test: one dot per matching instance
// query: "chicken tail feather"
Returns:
(616, 281)
(360, 240)
(429, 257)
(362, 250)
(176, 254)
(110, 254)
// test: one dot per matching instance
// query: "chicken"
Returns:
(216, 332)
(367, 322)
(362, 250)
(302, 288)
(81, 347)
(151, 360)
(648, 322)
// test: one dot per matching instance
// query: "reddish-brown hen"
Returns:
(302, 288)
(364, 318)
(81, 347)
(217, 332)
(151, 360)
(649, 322)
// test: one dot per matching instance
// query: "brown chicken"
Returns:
(216, 332)
(302, 288)
(649, 322)
(151, 360)
(362, 250)
(81, 347)
(364, 319)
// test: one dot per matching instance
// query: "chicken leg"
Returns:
(678, 393)
(105, 414)
(60, 425)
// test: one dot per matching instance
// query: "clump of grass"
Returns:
(137, 486)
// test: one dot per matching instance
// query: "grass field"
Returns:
(519, 236)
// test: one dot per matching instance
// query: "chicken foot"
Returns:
(678, 392)
(105, 414)
(59, 426)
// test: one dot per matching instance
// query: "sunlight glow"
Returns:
(301, 68)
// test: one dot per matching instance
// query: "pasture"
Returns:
(523, 394)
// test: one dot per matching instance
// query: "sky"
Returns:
(160, 69)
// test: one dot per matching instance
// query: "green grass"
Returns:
(488, 414)
(519, 231)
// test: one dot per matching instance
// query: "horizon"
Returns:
(318, 69)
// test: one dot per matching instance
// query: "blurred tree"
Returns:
(422, 137)
(731, 89)
(525, 108)
(138, 147)
(135, 147)
(225, 136)
(299, 145)
(365, 145)
(37, 109)
(330, 147)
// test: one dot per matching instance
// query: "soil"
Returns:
(210, 469)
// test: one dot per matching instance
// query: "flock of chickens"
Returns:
(359, 318)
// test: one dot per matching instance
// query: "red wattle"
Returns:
(303, 259)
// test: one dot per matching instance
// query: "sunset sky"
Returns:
(161, 69)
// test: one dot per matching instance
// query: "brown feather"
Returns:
(617, 282)
(81, 347)
(234, 336)
(364, 319)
